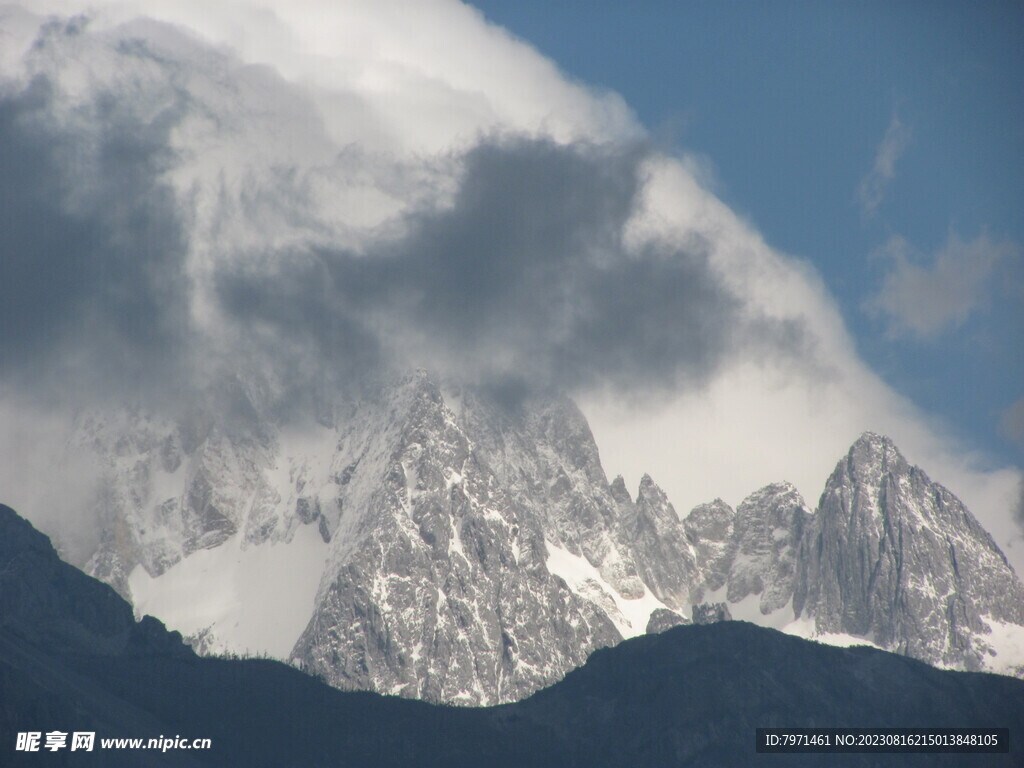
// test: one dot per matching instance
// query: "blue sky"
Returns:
(872, 139)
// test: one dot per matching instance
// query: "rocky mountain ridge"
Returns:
(442, 543)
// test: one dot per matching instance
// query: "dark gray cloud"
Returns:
(92, 248)
(526, 275)
(519, 280)
(523, 279)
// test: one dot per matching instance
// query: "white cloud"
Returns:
(872, 188)
(319, 123)
(433, 72)
(924, 297)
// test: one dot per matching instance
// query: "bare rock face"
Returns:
(752, 552)
(711, 527)
(767, 534)
(543, 452)
(893, 557)
(657, 543)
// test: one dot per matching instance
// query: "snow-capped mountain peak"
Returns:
(440, 543)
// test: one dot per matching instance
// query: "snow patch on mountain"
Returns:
(244, 600)
(630, 616)
(1005, 647)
